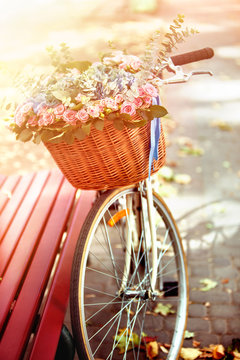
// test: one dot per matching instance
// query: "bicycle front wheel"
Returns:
(112, 321)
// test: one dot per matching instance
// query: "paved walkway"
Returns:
(206, 111)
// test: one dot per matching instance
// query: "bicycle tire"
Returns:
(93, 283)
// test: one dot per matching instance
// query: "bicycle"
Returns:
(129, 264)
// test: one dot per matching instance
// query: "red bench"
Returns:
(40, 218)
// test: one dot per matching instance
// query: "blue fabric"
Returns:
(154, 138)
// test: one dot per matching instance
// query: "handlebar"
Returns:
(192, 56)
(173, 65)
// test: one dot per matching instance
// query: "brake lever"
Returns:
(181, 77)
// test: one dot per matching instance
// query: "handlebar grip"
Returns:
(192, 56)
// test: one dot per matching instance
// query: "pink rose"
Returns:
(128, 108)
(25, 108)
(69, 116)
(19, 118)
(141, 92)
(102, 102)
(59, 110)
(118, 98)
(138, 102)
(93, 111)
(147, 101)
(33, 121)
(135, 62)
(41, 108)
(82, 115)
(46, 119)
(150, 90)
(110, 103)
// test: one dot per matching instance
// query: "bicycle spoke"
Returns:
(116, 281)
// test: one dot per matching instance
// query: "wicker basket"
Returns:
(107, 159)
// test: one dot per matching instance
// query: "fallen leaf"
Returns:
(167, 190)
(222, 125)
(182, 179)
(226, 164)
(207, 304)
(152, 349)
(208, 284)
(196, 343)
(172, 163)
(206, 352)
(166, 173)
(218, 352)
(147, 339)
(185, 141)
(236, 355)
(163, 349)
(164, 309)
(190, 353)
(225, 281)
(209, 226)
(188, 334)
(188, 148)
(123, 338)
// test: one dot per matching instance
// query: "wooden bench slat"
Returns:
(18, 194)
(11, 238)
(38, 274)
(7, 186)
(12, 278)
(2, 179)
(48, 333)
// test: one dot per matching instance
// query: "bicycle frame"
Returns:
(132, 238)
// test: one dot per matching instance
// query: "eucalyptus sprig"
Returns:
(159, 47)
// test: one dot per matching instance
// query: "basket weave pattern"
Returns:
(107, 159)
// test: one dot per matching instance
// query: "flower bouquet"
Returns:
(95, 119)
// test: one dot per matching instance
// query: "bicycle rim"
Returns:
(113, 324)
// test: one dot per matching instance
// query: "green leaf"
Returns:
(80, 65)
(166, 173)
(188, 334)
(25, 135)
(126, 117)
(157, 111)
(69, 137)
(118, 124)
(80, 134)
(87, 128)
(164, 309)
(143, 114)
(123, 338)
(112, 116)
(47, 134)
(99, 124)
(57, 138)
(37, 139)
(131, 125)
(77, 107)
(208, 284)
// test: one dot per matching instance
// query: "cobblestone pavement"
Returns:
(207, 111)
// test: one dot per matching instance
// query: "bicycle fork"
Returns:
(133, 242)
